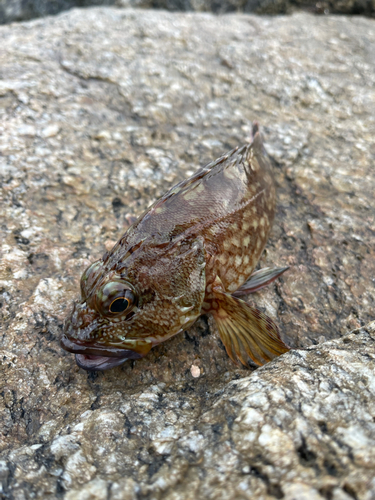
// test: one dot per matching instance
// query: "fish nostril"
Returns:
(86, 319)
(80, 318)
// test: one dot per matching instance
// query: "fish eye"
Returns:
(89, 277)
(115, 298)
(119, 305)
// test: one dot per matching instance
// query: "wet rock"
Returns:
(103, 110)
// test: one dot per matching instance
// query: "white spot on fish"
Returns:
(246, 241)
(227, 244)
(191, 195)
(223, 259)
(230, 173)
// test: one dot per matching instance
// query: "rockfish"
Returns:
(192, 252)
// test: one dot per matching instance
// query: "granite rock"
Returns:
(101, 111)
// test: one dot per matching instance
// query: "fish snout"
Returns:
(81, 322)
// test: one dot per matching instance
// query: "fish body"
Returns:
(193, 252)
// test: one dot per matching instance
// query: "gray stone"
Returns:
(101, 111)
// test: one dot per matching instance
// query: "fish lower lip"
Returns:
(97, 357)
(91, 362)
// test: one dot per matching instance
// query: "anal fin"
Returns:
(246, 332)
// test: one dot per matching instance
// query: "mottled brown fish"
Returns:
(191, 253)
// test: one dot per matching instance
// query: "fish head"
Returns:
(130, 303)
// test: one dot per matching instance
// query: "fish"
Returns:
(192, 252)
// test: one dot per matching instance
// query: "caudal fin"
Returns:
(245, 331)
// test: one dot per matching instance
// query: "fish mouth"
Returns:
(93, 357)
(91, 362)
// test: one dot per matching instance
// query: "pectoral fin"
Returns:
(259, 279)
(245, 331)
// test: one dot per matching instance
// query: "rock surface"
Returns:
(19, 10)
(101, 111)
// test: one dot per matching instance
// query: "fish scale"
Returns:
(192, 252)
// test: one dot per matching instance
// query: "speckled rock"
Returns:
(101, 111)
